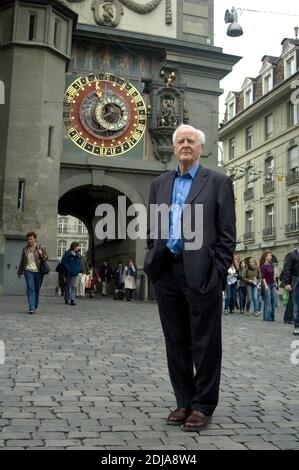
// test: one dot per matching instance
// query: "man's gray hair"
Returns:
(200, 134)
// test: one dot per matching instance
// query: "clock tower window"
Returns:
(32, 27)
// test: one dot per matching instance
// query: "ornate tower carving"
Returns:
(167, 110)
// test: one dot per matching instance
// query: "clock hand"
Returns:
(99, 92)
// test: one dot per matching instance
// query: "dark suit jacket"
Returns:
(291, 269)
(205, 265)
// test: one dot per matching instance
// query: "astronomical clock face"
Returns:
(104, 115)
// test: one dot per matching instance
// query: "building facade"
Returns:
(70, 229)
(260, 137)
(94, 90)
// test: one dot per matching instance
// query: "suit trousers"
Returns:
(191, 323)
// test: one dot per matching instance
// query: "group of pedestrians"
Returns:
(252, 283)
(76, 277)
(80, 277)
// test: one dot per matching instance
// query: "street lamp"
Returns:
(234, 29)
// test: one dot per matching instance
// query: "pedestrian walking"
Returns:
(129, 278)
(106, 275)
(269, 286)
(72, 266)
(259, 288)
(61, 278)
(287, 299)
(242, 287)
(81, 280)
(252, 277)
(91, 278)
(231, 289)
(119, 281)
(30, 265)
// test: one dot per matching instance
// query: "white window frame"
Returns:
(294, 209)
(269, 169)
(62, 225)
(289, 57)
(231, 104)
(267, 121)
(295, 164)
(83, 246)
(232, 147)
(82, 230)
(248, 92)
(293, 114)
(250, 177)
(268, 74)
(249, 221)
(61, 248)
(269, 216)
(249, 138)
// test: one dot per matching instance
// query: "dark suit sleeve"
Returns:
(226, 242)
(287, 269)
(152, 200)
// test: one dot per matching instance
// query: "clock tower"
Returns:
(35, 49)
(94, 90)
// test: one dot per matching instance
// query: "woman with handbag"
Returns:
(33, 257)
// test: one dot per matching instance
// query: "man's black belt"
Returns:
(174, 257)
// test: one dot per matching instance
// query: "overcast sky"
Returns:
(263, 33)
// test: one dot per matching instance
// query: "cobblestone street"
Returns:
(94, 376)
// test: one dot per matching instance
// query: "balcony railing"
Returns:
(268, 233)
(268, 186)
(292, 228)
(248, 194)
(292, 177)
(248, 237)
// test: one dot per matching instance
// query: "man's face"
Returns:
(31, 241)
(187, 146)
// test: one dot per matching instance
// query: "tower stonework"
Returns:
(94, 90)
(34, 51)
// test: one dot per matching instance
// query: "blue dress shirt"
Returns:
(180, 191)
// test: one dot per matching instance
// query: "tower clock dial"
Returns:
(104, 114)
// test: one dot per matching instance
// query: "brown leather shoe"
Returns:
(177, 417)
(196, 421)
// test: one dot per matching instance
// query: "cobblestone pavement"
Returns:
(94, 376)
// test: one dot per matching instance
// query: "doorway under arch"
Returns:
(81, 202)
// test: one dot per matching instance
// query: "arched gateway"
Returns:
(83, 195)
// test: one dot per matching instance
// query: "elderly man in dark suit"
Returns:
(187, 268)
(291, 281)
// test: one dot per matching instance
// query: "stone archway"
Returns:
(80, 194)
